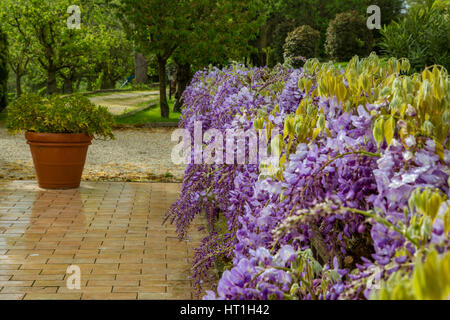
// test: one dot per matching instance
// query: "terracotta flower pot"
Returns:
(58, 158)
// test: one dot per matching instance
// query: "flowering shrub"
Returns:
(358, 208)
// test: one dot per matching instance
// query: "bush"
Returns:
(302, 42)
(3, 70)
(277, 40)
(360, 192)
(72, 114)
(423, 36)
(348, 35)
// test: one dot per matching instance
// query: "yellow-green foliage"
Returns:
(419, 101)
(430, 281)
(430, 278)
(425, 206)
(416, 104)
(428, 202)
(73, 114)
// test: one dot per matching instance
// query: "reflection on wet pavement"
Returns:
(112, 231)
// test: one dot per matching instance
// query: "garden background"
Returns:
(284, 64)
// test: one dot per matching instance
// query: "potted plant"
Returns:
(59, 131)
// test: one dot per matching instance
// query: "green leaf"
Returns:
(378, 131)
(389, 130)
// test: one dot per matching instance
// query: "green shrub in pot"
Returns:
(70, 114)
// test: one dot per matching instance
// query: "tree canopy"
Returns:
(286, 15)
(58, 55)
(47, 57)
(3, 69)
(200, 31)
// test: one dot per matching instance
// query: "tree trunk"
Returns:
(140, 68)
(68, 86)
(106, 83)
(172, 86)
(19, 84)
(162, 87)
(51, 82)
(183, 77)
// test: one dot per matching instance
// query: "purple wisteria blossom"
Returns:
(315, 206)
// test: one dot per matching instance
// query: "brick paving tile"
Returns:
(11, 296)
(52, 296)
(29, 290)
(111, 230)
(110, 296)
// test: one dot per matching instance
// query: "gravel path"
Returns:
(135, 155)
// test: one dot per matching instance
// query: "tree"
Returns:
(112, 59)
(140, 68)
(347, 36)
(196, 28)
(110, 54)
(183, 75)
(221, 32)
(157, 26)
(3, 70)
(47, 53)
(390, 9)
(302, 42)
(286, 15)
(20, 53)
(419, 3)
(422, 36)
(42, 26)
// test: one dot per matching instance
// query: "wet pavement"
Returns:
(111, 231)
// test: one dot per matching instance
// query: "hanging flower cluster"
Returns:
(358, 205)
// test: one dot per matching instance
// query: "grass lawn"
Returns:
(101, 94)
(152, 114)
(126, 89)
(341, 65)
(3, 118)
(146, 103)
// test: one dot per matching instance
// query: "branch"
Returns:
(362, 152)
(390, 225)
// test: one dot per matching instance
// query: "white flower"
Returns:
(285, 254)
(407, 155)
(409, 177)
(395, 143)
(396, 183)
(410, 141)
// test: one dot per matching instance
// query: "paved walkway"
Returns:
(111, 230)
